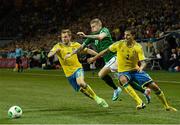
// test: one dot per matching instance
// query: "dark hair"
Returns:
(131, 30)
(66, 31)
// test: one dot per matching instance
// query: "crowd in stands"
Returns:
(37, 26)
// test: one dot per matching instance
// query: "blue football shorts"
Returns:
(72, 79)
(141, 78)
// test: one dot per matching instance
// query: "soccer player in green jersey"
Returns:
(102, 39)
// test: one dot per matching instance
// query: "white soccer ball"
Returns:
(15, 112)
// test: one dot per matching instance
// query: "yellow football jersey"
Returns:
(127, 57)
(71, 64)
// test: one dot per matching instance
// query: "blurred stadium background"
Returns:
(35, 26)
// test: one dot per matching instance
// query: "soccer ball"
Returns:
(15, 112)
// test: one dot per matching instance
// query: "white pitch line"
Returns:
(94, 77)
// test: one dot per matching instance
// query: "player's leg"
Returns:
(85, 93)
(161, 96)
(145, 80)
(87, 90)
(20, 65)
(145, 91)
(16, 65)
(103, 74)
(73, 81)
(141, 79)
(124, 79)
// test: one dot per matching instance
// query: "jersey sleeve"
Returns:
(77, 45)
(105, 30)
(114, 46)
(54, 48)
(140, 53)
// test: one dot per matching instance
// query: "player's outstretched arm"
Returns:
(98, 36)
(75, 51)
(91, 52)
(102, 53)
(52, 53)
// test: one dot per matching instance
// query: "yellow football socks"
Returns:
(162, 97)
(89, 92)
(132, 93)
(85, 93)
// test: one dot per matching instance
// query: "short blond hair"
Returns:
(97, 21)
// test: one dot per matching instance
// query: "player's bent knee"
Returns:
(120, 83)
(154, 86)
(123, 80)
(100, 75)
(80, 80)
(103, 72)
(83, 85)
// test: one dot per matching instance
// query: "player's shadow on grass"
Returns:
(81, 110)
(68, 109)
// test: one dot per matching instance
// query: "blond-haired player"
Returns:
(72, 67)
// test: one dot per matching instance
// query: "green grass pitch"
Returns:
(46, 97)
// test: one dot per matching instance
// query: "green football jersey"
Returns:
(103, 44)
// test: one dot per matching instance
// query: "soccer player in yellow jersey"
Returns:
(129, 54)
(72, 67)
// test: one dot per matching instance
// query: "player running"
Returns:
(72, 67)
(102, 39)
(129, 54)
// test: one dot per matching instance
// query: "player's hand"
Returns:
(139, 69)
(82, 34)
(90, 60)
